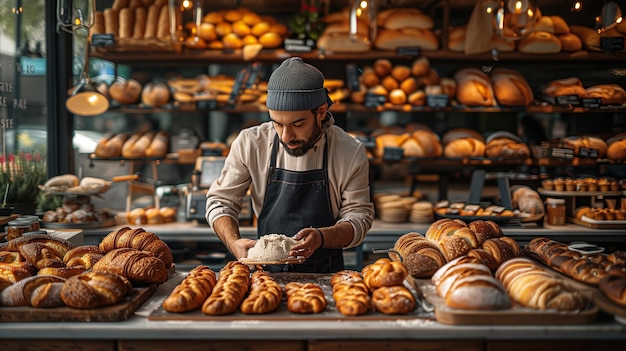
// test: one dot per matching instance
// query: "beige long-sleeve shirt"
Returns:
(247, 167)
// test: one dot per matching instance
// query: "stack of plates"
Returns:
(422, 212)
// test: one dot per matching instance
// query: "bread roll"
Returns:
(400, 72)
(305, 298)
(369, 77)
(510, 87)
(563, 87)
(611, 94)
(382, 67)
(407, 18)
(588, 36)
(125, 92)
(393, 300)
(155, 94)
(384, 272)
(570, 42)
(616, 148)
(539, 42)
(456, 38)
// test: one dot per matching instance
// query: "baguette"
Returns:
(192, 291)
(139, 26)
(111, 22)
(152, 21)
(111, 145)
(137, 144)
(26, 292)
(135, 265)
(126, 23)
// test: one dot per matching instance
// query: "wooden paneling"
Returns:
(551, 345)
(396, 345)
(207, 345)
(56, 345)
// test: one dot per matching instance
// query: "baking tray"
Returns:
(580, 193)
(118, 312)
(517, 315)
(109, 222)
(283, 314)
(501, 220)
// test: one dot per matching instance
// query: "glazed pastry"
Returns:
(191, 293)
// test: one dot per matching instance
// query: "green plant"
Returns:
(20, 177)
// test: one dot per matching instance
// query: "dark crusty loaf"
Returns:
(95, 289)
(27, 290)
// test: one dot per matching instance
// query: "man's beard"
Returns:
(304, 145)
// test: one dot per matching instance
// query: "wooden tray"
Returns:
(517, 315)
(109, 222)
(598, 224)
(118, 312)
(283, 314)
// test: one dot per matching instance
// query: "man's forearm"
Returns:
(227, 229)
(338, 236)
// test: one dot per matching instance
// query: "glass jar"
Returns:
(16, 228)
(555, 209)
(33, 221)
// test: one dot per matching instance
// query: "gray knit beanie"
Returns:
(295, 86)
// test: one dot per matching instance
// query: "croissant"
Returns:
(86, 256)
(230, 290)
(95, 289)
(191, 293)
(533, 287)
(384, 272)
(136, 266)
(265, 294)
(305, 298)
(60, 246)
(614, 288)
(32, 291)
(137, 239)
(393, 300)
(502, 248)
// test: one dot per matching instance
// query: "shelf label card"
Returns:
(566, 100)
(105, 39)
(298, 45)
(592, 102)
(203, 105)
(375, 100)
(437, 100)
(588, 152)
(393, 154)
(558, 152)
(612, 43)
(352, 76)
(412, 51)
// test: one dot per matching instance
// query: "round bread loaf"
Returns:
(510, 88)
(474, 88)
(570, 42)
(539, 42)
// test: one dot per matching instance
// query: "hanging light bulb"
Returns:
(610, 16)
(514, 19)
(577, 6)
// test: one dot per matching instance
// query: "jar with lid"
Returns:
(16, 228)
(555, 209)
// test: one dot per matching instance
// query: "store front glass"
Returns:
(23, 94)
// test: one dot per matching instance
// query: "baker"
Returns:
(308, 178)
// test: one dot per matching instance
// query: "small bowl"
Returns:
(6, 211)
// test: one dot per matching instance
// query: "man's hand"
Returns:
(240, 247)
(311, 240)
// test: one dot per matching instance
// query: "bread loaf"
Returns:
(60, 246)
(133, 264)
(138, 239)
(34, 291)
(393, 300)
(589, 142)
(614, 288)
(511, 88)
(159, 145)
(616, 148)
(400, 18)
(533, 287)
(420, 256)
(565, 86)
(539, 42)
(485, 229)
(589, 37)
(14, 272)
(95, 289)
(388, 39)
(111, 145)
(139, 25)
(305, 298)
(474, 88)
(191, 293)
(230, 290)
(611, 94)
(265, 294)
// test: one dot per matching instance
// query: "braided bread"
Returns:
(533, 287)
(614, 288)
(135, 265)
(345, 275)
(137, 239)
(384, 272)
(86, 256)
(95, 289)
(265, 294)
(393, 300)
(192, 291)
(305, 298)
(351, 294)
(230, 290)
(33, 291)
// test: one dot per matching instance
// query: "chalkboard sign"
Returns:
(413, 51)
(375, 100)
(612, 43)
(98, 40)
(393, 154)
(592, 102)
(437, 100)
(210, 168)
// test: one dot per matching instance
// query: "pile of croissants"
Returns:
(40, 270)
(378, 287)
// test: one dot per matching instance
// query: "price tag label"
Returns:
(497, 209)
(442, 204)
(567, 100)
(352, 76)
(412, 51)
(298, 45)
(204, 105)
(612, 43)
(374, 100)
(592, 102)
(99, 40)
(472, 207)
(459, 205)
(437, 100)
(393, 154)
(558, 152)
(588, 152)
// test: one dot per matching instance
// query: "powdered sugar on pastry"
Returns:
(271, 247)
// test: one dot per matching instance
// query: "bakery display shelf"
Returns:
(598, 224)
(109, 222)
(516, 315)
(547, 192)
(121, 159)
(195, 56)
(283, 314)
(118, 312)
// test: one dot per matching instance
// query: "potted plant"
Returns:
(20, 177)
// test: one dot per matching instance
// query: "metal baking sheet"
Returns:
(282, 313)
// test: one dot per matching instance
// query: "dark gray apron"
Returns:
(296, 200)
